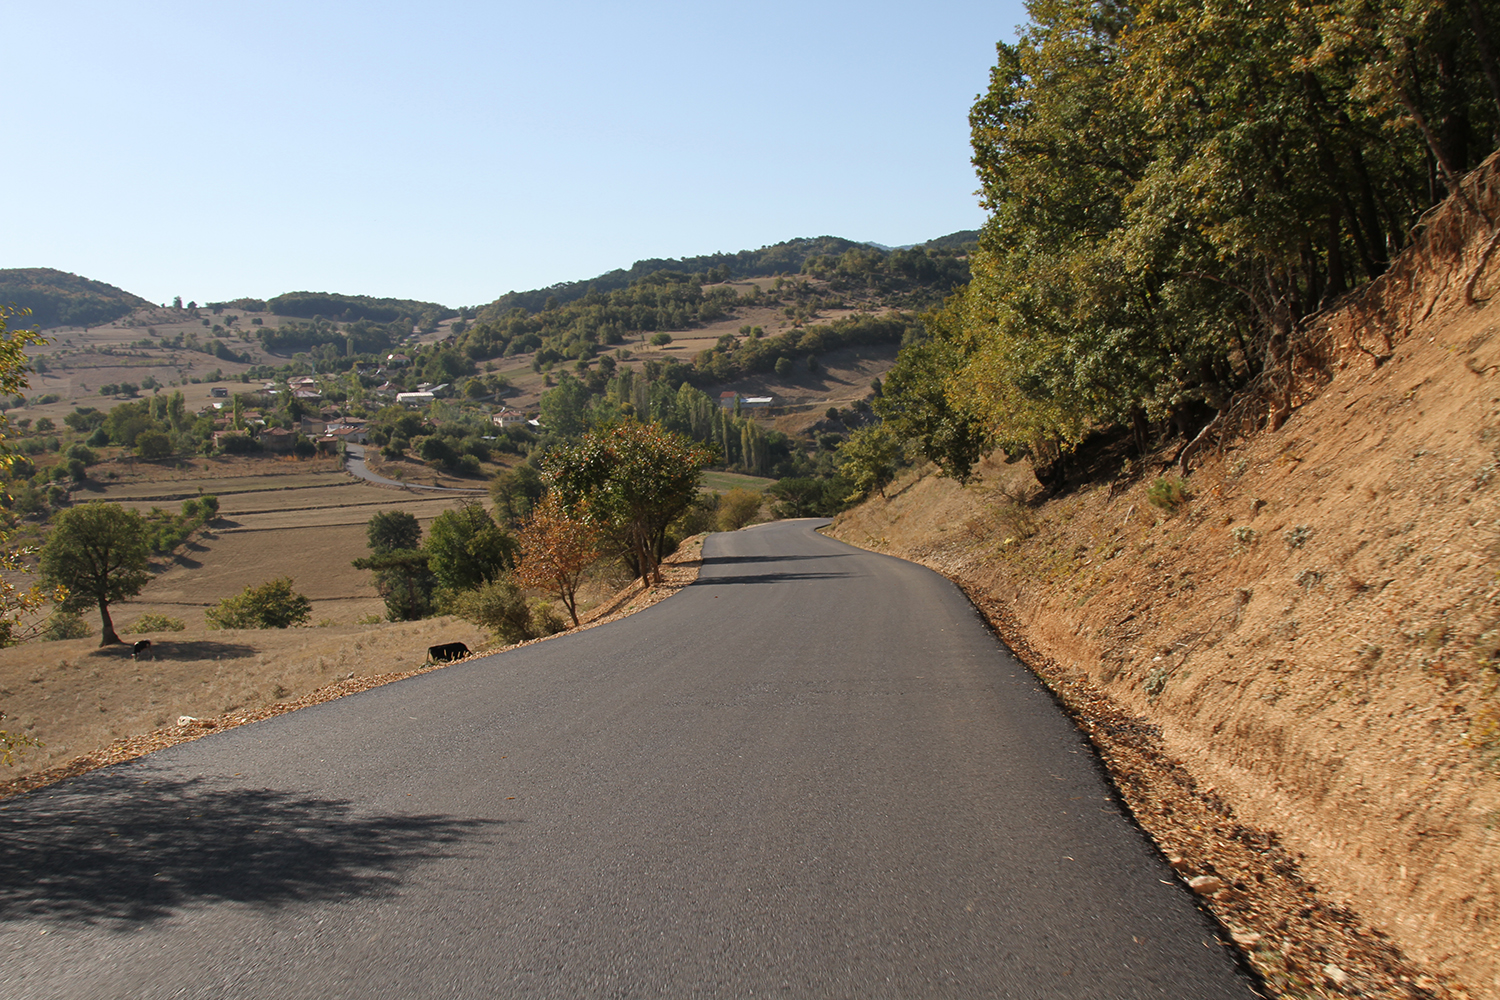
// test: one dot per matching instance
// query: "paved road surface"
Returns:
(812, 774)
(354, 464)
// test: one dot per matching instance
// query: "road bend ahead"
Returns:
(812, 774)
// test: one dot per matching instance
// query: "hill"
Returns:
(57, 298)
(785, 258)
(1290, 658)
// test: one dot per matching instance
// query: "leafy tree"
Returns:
(274, 604)
(403, 575)
(916, 404)
(466, 548)
(153, 444)
(99, 552)
(630, 481)
(556, 549)
(564, 409)
(738, 508)
(868, 459)
(808, 496)
(515, 493)
(391, 530)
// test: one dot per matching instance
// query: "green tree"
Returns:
(466, 548)
(630, 481)
(153, 444)
(391, 530)
(514, 493)
(274, 604)
(564, 409)
(868, 459)
(403, 575)
(99, 552)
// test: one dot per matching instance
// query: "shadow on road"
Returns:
(123, 848)
(733, 560)
(710, 581)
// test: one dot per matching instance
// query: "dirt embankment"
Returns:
(1293, 671)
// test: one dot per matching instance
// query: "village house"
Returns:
(508, 418)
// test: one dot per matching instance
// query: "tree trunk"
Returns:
(107, 626)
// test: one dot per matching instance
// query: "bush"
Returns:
(502, 608)
(67, 625)
(738, 508)
(154, 623)
(1168, 493)
(271, 605)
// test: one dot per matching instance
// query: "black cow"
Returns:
(141, 646)
(447, 652)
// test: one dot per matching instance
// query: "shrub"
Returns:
(502, 608)
(67, 625)
(271, 605)
(1168, 493)
(154, 623)
(738, 508)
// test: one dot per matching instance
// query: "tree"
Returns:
(630, 481)
(738, 508)
(515, 493)
(466, 548)
(556, 549)
(99, 552)
(868, 459)
(153, 444)
(274, 604)
(403, 575)
(390, 530)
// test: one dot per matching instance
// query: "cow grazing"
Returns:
(447, 652)
(141, 646)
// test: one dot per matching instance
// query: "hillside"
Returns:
(786, 257)
(57, 298)
(1290, 658)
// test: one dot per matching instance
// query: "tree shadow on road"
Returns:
(123, 847)
(733, 560)
(710, 581)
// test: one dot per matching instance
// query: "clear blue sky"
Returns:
(456, 151)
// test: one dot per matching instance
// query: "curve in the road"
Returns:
(814, 773)
(354, 464)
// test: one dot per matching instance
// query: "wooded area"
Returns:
(1173, 189)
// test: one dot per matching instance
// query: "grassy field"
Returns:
(723, 482)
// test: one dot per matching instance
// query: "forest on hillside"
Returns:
(1173, 190)
(56, 298)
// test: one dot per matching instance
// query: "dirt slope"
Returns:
(1312, 638)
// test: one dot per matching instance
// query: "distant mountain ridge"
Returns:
(58, 298)
(780, 258)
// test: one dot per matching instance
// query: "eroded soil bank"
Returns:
(1293, 670)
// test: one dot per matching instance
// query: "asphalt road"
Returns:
(812, 774)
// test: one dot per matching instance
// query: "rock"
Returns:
(185, 720)
(1179, 864)
(1338, 976)
(1245, 939)
(1205, 885)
